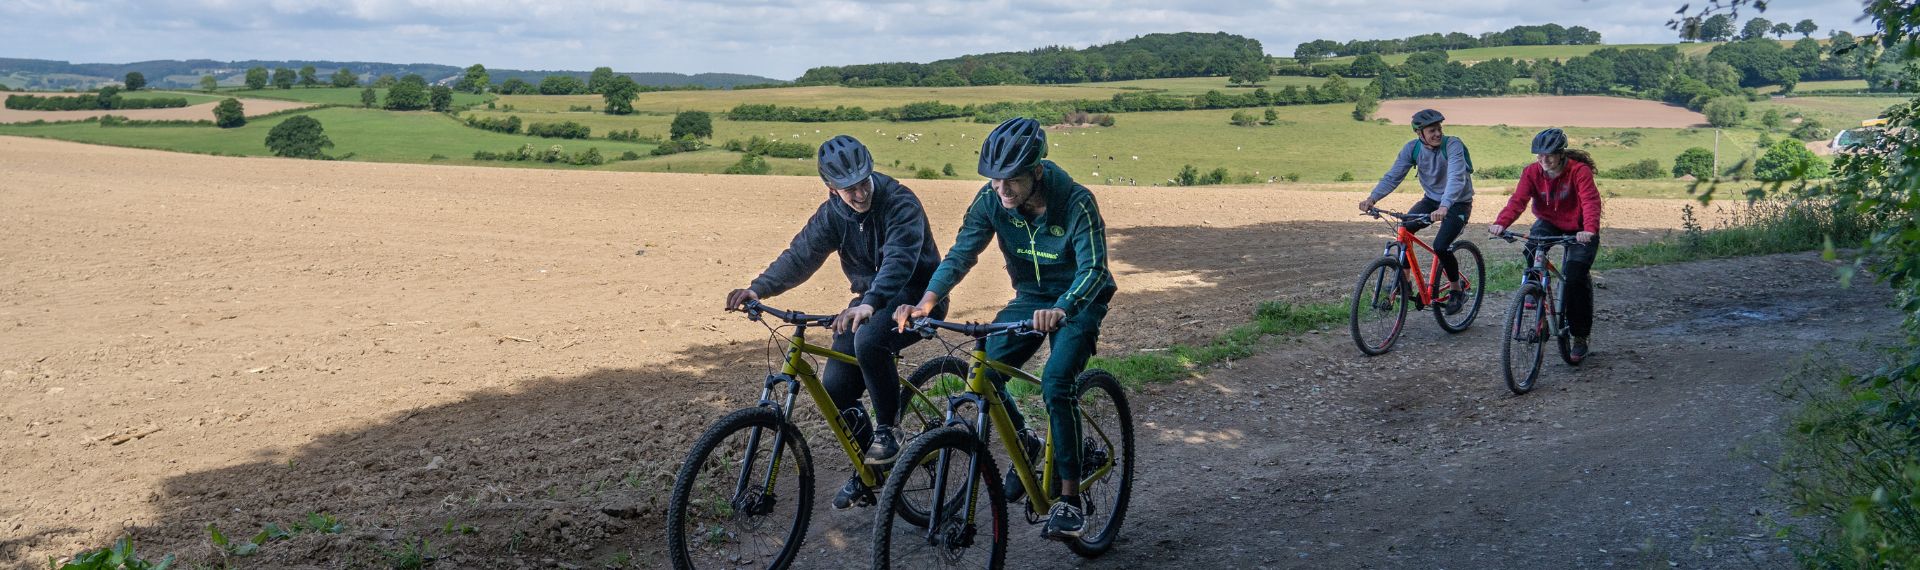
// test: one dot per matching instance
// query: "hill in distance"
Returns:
(52, 75)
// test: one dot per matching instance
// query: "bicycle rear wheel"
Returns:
(735, 504)
(1456, 315)
(1106, 434)
(969, 532)
(1524, 342)
(1379, 308)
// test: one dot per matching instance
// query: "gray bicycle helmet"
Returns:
(844, 162)
(1549, 141)
(1012, 148)
(1426, 117)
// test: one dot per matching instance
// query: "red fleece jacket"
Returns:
(1570, 202)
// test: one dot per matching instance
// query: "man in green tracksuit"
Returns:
(1055, 244)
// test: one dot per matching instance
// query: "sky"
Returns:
(774, 38)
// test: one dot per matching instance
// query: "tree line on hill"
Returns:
(1541, 35)
(1185, 54)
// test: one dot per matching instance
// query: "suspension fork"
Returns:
(781, 409)
(937, 509)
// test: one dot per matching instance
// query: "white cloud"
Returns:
(776, 38)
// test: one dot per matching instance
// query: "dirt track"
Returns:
(289, 336)
(1548, 111)
(201, 112)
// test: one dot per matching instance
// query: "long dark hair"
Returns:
(1580, 155)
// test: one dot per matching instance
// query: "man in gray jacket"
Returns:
(1445, 170)
(887, 252)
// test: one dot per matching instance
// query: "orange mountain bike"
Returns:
(1393, 281)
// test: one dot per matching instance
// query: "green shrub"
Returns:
(1696, 162)
(691, 124)
(509, 124)
(1509, 172)
(749, 164)
(675, 146)
(1789, 160)
(229, 114)
(561, 130)
(1641, 170)
(774, 148)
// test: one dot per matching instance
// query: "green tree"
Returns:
(515, 86)
(475, 80)
(562, 85)
(1806, 28)
(1364, 108)
(1367, 65)
(1335, 90)
(1696, 162)
(1718, 28)
(368, 98)
(692, 124)
(309, 77)
(229, 114)
(600, 80)
(408, 94)
(1789, 159)
(1771, 119)
(257, 78)
(136, 81)
(1781, 30)
(1755, 29)
(1243, 119)
(1726, 111)
(440, 98)
(1251, 72)
(284, 78)
(1587, 74)
(619, 93)
(1271, 117)
(344, 77)
(385, 81)
(299, 137)
(208, 83)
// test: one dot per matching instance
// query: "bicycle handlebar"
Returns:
(1512, 236)
(926, 327)
(755, 308)
(1411, 221)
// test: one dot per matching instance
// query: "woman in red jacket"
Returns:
(1565, 201)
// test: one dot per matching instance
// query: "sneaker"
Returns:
(1065, 521)
(1032, 444)
(854, 493)
(1579, 351)
(1457, 298)
(886, 446)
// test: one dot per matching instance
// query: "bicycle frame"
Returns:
(798, 374)
(1547, 275)
(985, 396)
(1424, 289)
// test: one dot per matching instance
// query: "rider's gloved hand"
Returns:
(1583, 237)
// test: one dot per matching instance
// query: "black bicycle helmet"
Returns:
(1549, 141)
(1426, 117)
(1012, 148)
(844, 161)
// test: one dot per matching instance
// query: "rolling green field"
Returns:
(191, 97)
(1834, 112)
(1199, 85)
(371, 135)
(869, 98)
(1527, 52)
(349, 96)
(1839, 84)
(1317, 142)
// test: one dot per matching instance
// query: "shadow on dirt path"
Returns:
(1308, 455)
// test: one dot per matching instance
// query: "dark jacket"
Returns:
(887, 253)
(1059, 256)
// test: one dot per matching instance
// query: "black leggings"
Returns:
(1450, 228)
(874, 344)
(1576, 267)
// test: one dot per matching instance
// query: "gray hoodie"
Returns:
(1445, 179)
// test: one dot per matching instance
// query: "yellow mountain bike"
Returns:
(744, 495)
(952, 467)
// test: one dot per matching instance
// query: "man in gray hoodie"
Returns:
(887, 252)
(1445, 170)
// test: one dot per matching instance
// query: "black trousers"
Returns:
(1577, 268)
(874, 343)
(1450, 228)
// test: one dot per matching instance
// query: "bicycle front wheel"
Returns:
(1457, 311)
(969, 531)
(937, 378)
(1379, 308)
(1106, 456)
(1524, 342)
(743, 495)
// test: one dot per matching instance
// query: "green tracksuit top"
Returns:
(1061, 255)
